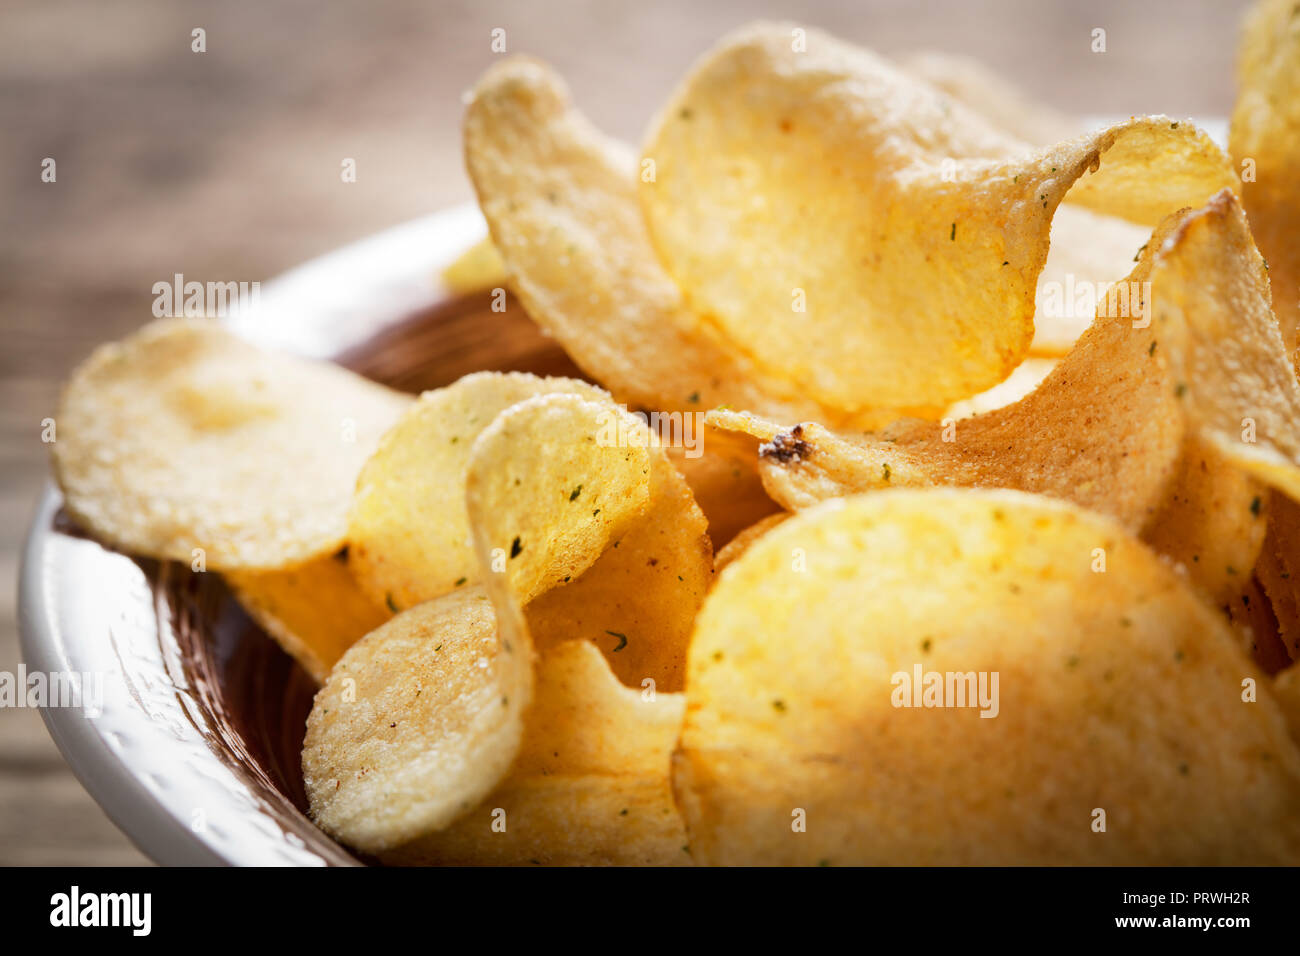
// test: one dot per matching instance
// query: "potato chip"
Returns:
(408, 531)
(1212, 522)
(620, 553)
(1265, 139)
(560, 199)
(1197, 508)
(478, 267)
(1087, 248)
(185, 443)
(550, 484)
(741, 542)
(724, 481)
(945, 676)
(568, 496)
(808, 463)
(590, 786)
(416, 724)
(1233, 374)
(638, 602)
(858, 233)
(1106, 428)
(315, 611)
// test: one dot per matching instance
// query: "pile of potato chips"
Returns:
(937, 501)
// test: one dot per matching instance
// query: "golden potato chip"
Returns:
(1212, 522)
(408, 531)
(1265, 139)
(560, 199)
(619, 552)
(416, 724)
(855, 231)
(741, 542)
(551, 483)
(478, 267)
(1087, 249)
(806, 464)
(724, 481)
(1233, 374)
(980, 89)
(315, 611)
(638, 602)
(947, 676)
(420, 721)
(590, 786)
(186, 443)
(1106, 428)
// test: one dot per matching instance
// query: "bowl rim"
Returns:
(127, 757)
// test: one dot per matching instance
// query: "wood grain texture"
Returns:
(225, 166)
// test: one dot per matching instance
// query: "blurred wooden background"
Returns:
(224, 166)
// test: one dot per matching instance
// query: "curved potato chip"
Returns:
(183, 437)
(1265, 138)
(1087, 248)
(605, 533)
(590, 786)
(457, 738)
(741, 542)
(551, 483)
(856, 689)
(638, 602)
(853, 230)
(724, 482)
(560, 199)
(314, 611)
(1234, 375)
(1106, 428)
(1212, 522)
(1191, 505)
(553, 487)
(408, 532)
(808, 463)
(416, 724)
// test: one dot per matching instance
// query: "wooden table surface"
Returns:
(224, 165)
